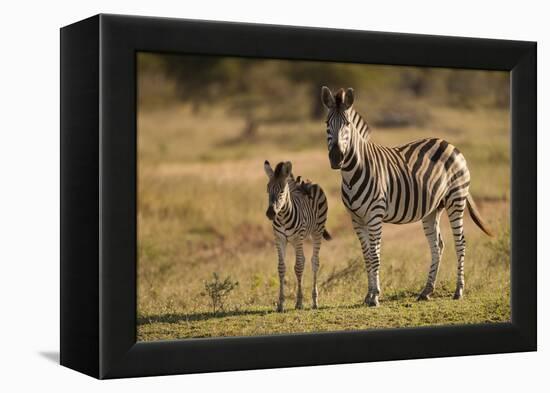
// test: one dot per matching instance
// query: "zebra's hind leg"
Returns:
(280, 243)
(430, 224)
(299, 270)
(315, 267)
(456, 218)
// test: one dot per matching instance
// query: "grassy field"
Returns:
(201, 210)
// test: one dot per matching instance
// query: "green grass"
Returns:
(201, 204)
(397, 310)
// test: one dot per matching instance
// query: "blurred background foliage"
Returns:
(263, 91)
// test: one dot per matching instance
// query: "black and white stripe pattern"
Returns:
(298, 211)
(403, 184)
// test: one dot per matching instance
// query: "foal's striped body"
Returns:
(298, 211)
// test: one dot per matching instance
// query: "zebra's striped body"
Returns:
(298, 211)
(408, 183)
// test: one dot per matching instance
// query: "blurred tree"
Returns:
(417, 80)
(362, 77)
(257, 90)
(266, 95)
(202, 79)
(470, 88)
(262, 91)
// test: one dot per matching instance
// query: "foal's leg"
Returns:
(299, 270)
(430, 224)
(456, 218)
(280, 243)
(315, 266)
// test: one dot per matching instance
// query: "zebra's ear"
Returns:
(348, 98)
(287, 168)
(327, 98)
(268, 170)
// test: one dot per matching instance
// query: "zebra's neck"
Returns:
(293, 199)
(291, 184)
(357, 154)
(359, 125)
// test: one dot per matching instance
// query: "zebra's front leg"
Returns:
(363, 235)
(375, 240)
(315, 268)
(299, 270)
(431, 229)
(280, 243)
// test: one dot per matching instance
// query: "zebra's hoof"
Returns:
(299, 306)
(314, 306)
(372, 301)
(280, 308)
(423, 297)
(458, 294)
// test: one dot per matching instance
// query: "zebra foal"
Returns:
(403, 184)
(298, 210)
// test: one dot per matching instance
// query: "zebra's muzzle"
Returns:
(270, 213)
(335, 157)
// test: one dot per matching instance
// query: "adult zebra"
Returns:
(298, 210)
(399, 185)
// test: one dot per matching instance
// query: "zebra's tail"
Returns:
(474, 213)
(326, 235)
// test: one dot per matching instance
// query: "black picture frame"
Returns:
(98, 196)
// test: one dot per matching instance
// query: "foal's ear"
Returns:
(349, 98)
(327, 98)
(268, 170)
(287, 167)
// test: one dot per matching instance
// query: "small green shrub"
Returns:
(218, 291)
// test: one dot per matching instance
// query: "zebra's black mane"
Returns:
(360, 123)
(305, 186)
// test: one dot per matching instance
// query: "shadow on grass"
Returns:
(406, 297)
(201, 316)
